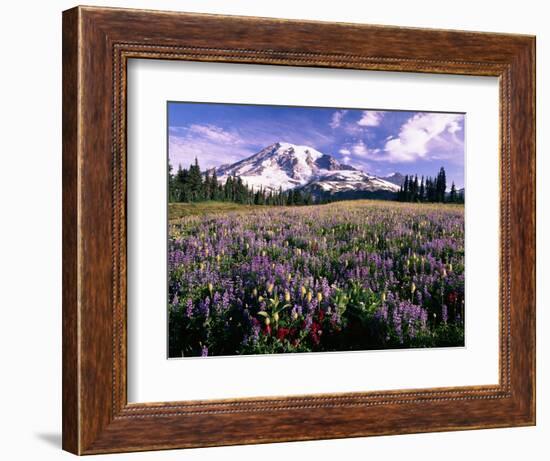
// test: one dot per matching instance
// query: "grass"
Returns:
(182, 210)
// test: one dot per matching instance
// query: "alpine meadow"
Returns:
(312, 229)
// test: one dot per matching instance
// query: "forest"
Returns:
(194, 185)
(432, 190)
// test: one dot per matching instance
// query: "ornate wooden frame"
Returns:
(97, 43)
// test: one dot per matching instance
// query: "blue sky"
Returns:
(377, 141)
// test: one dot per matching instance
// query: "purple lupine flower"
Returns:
(325, 288)
(308, 322)
(204, 307)
(381, 313)
(175, 301)
(225, 300)
(337, 244)
(444, 313)
(216, 302)
(189, 308)
(397, 324)
(256, 328)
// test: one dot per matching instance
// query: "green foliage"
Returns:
(429, 189)
(192, 185)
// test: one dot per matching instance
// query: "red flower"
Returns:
(316, 333)
(282, 333)
(453, 296)
(321, 315)
(267, 329)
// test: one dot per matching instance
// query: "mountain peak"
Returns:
(395, 178)
(283, 165)
(287, 148)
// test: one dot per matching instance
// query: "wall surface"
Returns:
(30, 227)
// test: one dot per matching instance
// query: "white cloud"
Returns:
(208, 143)
(337, 118)
(354, 154)
(454, 126)
(423, 131)
(215, 146)
(182, 151)
(356, 151)
(370, 118)
(213, 133)
(360, 149)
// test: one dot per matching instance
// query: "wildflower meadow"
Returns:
(345, 276)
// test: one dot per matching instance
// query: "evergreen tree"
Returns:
(196, 192)
(171, 184)
(207, 187)
(427, 190)
(416, 189)
(214, 186)
(289, 198)
(441, 185)
(227, 188)
(181, 185)
(453, 196)
(240, 191)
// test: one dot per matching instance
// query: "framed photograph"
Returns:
(282, 230)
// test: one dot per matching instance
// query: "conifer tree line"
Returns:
(191, 185)
(429, 189)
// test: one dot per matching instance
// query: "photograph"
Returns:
(278, 225)
(313, 229)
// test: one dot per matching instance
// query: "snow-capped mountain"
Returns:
(281, 165)
(395, 178)
(288, 166)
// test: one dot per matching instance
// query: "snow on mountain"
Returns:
(346, 181)
(288, 166)
(282, 165)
